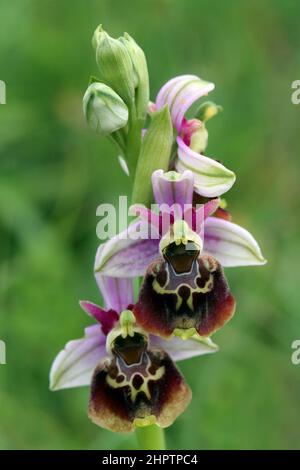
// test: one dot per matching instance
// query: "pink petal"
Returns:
(180, 93)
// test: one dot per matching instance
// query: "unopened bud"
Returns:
(141, 77)
(208, 110)
(104, 110)
(115, 64)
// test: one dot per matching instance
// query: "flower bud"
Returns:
(208, 110)
(104, 110)
(115, 65)
(141, 78)
(97, 36)
(194, 134)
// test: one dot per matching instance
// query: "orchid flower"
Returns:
(101, 348)
(180, 93)
(129, 254)
(136, 385)
(184, 291)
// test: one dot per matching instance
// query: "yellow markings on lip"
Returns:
(143, 388)
(201, 290)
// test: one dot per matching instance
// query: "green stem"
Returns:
(151, 438)
(134, 141)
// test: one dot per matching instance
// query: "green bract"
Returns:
(155, 153)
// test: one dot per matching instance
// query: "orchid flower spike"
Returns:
(180, 247)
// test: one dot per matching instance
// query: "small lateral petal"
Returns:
(106, 318)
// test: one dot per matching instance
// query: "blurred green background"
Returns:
(54, 172)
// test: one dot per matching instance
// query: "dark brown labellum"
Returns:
(184, 290)
(136, 384)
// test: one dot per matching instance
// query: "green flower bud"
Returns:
(115, 65)
(208, 110)
(104, 110)
(141, 77)
(199, 139)
(96, 36)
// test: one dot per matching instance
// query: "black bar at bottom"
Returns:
(136, 459)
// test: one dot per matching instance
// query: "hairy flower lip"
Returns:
(136, 384)
(196, 300)
(150, 391)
